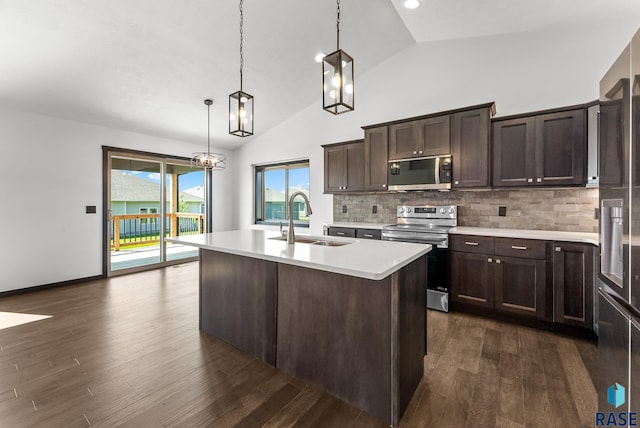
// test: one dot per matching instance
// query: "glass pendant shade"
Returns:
(241, 114)
(337, 82)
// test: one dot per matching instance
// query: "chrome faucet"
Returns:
(291, 236)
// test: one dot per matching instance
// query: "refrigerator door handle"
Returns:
(624, 307)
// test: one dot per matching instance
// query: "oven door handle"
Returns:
(414, 241)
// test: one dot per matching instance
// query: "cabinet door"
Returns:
(470, 148)
(404, 140)
(435, 136)
(520, 286)
(335, 169)
(513, 152)
(561, 147)
(355, 167)
(471, 278)
(573, 288)
(376, 152)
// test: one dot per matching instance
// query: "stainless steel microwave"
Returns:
(420, 173)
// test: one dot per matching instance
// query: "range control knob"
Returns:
(451, 210)
(401, 209)
(442, 210)
(408, 210)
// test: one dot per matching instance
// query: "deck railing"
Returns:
(138, 229)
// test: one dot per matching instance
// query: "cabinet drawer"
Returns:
(342, 231)
(524, 248)
(471, 244)
(368, 234)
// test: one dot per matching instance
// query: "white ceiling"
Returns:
(147, 65)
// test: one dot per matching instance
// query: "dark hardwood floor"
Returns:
(127, 352)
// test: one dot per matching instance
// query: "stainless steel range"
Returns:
(428, 225)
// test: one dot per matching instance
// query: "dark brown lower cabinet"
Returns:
(573, 283)
(530, 278)
(520, 285)
(471, 278)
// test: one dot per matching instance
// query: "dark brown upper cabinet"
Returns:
(344, 167)
(376, 152)
(540, 150)
(470, 148)
(420, 138)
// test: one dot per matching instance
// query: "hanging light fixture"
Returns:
(337, 78)
(241, 103)
(208, 160)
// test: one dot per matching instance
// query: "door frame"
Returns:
(107, 153)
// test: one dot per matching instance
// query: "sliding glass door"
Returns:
(149, 199)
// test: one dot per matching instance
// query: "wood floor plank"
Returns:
(127, 351)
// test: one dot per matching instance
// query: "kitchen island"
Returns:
(347, 315)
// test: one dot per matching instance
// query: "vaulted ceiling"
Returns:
(147, 65)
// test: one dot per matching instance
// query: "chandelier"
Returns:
(208, 160)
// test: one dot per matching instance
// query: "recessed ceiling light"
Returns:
(320, 56)
(411, 4)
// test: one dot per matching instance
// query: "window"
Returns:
(274, 185)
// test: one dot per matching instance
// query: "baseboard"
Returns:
(52, 285)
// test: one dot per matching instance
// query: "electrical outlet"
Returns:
(502, 211)
(90, 209)
(374, 209)
(344, 208)
(596, 213)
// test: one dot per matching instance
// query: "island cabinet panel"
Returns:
(361, 340)
(573, 283)
(246, 316)
(376, 152)
(470, 137)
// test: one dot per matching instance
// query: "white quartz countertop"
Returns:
(547, 235)
(364, 258)
(377, 226)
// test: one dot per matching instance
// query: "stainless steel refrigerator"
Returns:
(619, 272)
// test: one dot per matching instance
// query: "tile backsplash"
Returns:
(569, 209)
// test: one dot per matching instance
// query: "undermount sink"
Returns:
(300, 240)
(330, 243)
(313, 241)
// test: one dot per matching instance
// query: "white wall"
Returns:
(49, 170)
(520, 72)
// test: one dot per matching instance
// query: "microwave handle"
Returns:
(437, 170)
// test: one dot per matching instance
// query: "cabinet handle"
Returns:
(539, 180)
(340, 233)
(420, 152)
(498, 261)
(517, 247)
(473, 244)
(529, 180)
(489, 260)
(415, 153)
(456, 182)
(558, 249)
(384, 185)
(367, 235)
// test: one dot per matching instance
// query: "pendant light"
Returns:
(337, 78)
(241, 103)
(208, 160)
